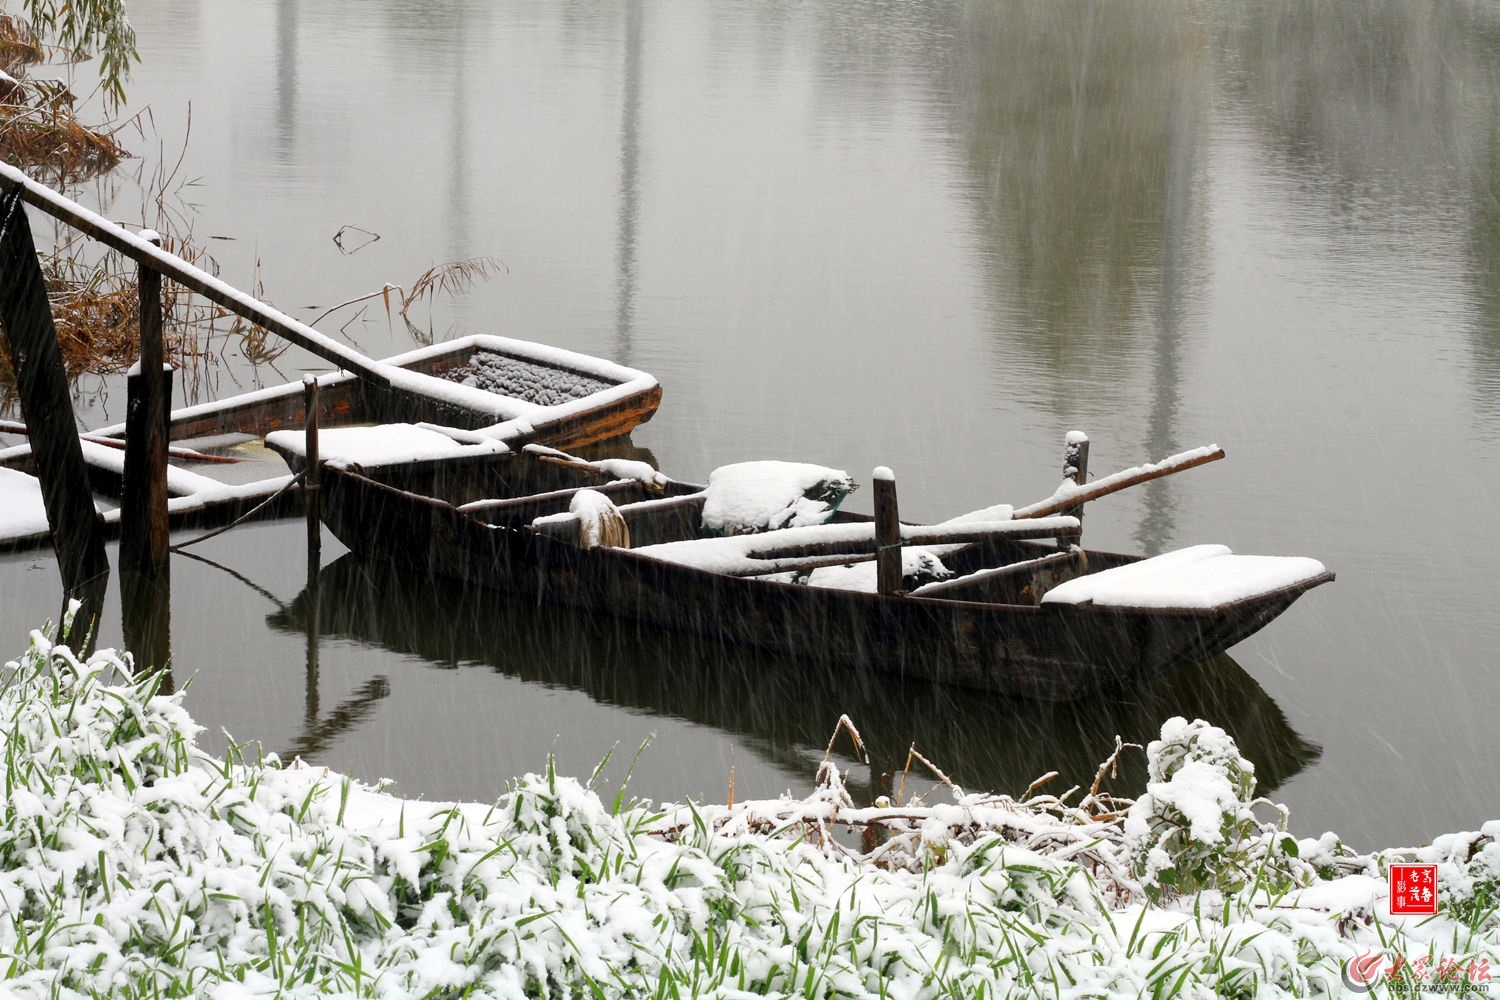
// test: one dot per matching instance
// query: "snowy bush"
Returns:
(1195, 828)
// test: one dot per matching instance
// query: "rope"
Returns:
(294, 481)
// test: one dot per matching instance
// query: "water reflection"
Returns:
(284, 138)
(784, 711)
(1077, 125)
(1382, 117)
(630, 186)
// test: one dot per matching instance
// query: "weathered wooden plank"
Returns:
(143, 493)
(145, 537)
(887, 533)
(310, 480)
(48, 409)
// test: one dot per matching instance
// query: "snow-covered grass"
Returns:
(134, 864)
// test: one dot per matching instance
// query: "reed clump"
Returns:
(39, 128)
(95, 303)
(94, 296)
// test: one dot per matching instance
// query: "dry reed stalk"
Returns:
(38, 128)
(905, 835)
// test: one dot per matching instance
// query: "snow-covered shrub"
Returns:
(133, 864)
(1468, 874)
(1195, 828)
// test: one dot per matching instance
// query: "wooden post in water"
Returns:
(42, 382)
(145, 566)
(887, 533)
(1076, 468)
(310, 486)
(313, 494)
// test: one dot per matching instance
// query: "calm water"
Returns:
(933, 236)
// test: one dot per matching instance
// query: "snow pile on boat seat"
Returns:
(1200, 577)
(599, 522)
(749, 497)
(384, 444)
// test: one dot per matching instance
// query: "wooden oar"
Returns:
(616, 468)
(764, 554)
(1071, 496)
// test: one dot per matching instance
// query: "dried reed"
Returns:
(39, 130)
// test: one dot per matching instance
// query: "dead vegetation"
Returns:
(902, 831)
(95, 302)
(39, 129)
(452, 279)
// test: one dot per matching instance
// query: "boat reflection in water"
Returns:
(784, 710)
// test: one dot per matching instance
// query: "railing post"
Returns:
(310, 487)
(42, 384)
(145, 537)
(887, 533)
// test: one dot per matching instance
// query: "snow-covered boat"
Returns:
(989, 600)
(498, 389)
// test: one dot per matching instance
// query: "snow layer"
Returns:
(131, 862)
(1200, 576)
(382, 444)
(539, 384)
(756, 496)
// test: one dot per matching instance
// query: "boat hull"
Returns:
(1053, 653)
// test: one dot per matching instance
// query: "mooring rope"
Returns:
(294, 481)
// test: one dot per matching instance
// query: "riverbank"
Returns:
(134, 864)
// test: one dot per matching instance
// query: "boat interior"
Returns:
(527, 491)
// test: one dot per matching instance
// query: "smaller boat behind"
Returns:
(763, 556)
(499, 390)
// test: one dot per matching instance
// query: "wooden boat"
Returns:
(1017, 614)
(499, 389)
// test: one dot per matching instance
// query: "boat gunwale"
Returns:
(1081, 609)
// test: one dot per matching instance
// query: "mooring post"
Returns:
(145, 539)
(1075, 468)
(887, 533)
(310, 481)
(42, 383)
(313, 494)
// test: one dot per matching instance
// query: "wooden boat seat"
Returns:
(1200, 578)
(836, 544)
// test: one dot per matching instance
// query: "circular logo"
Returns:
(1363, 971)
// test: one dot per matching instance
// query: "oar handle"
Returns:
(1067, 497)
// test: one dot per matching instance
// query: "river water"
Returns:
(931, 236)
